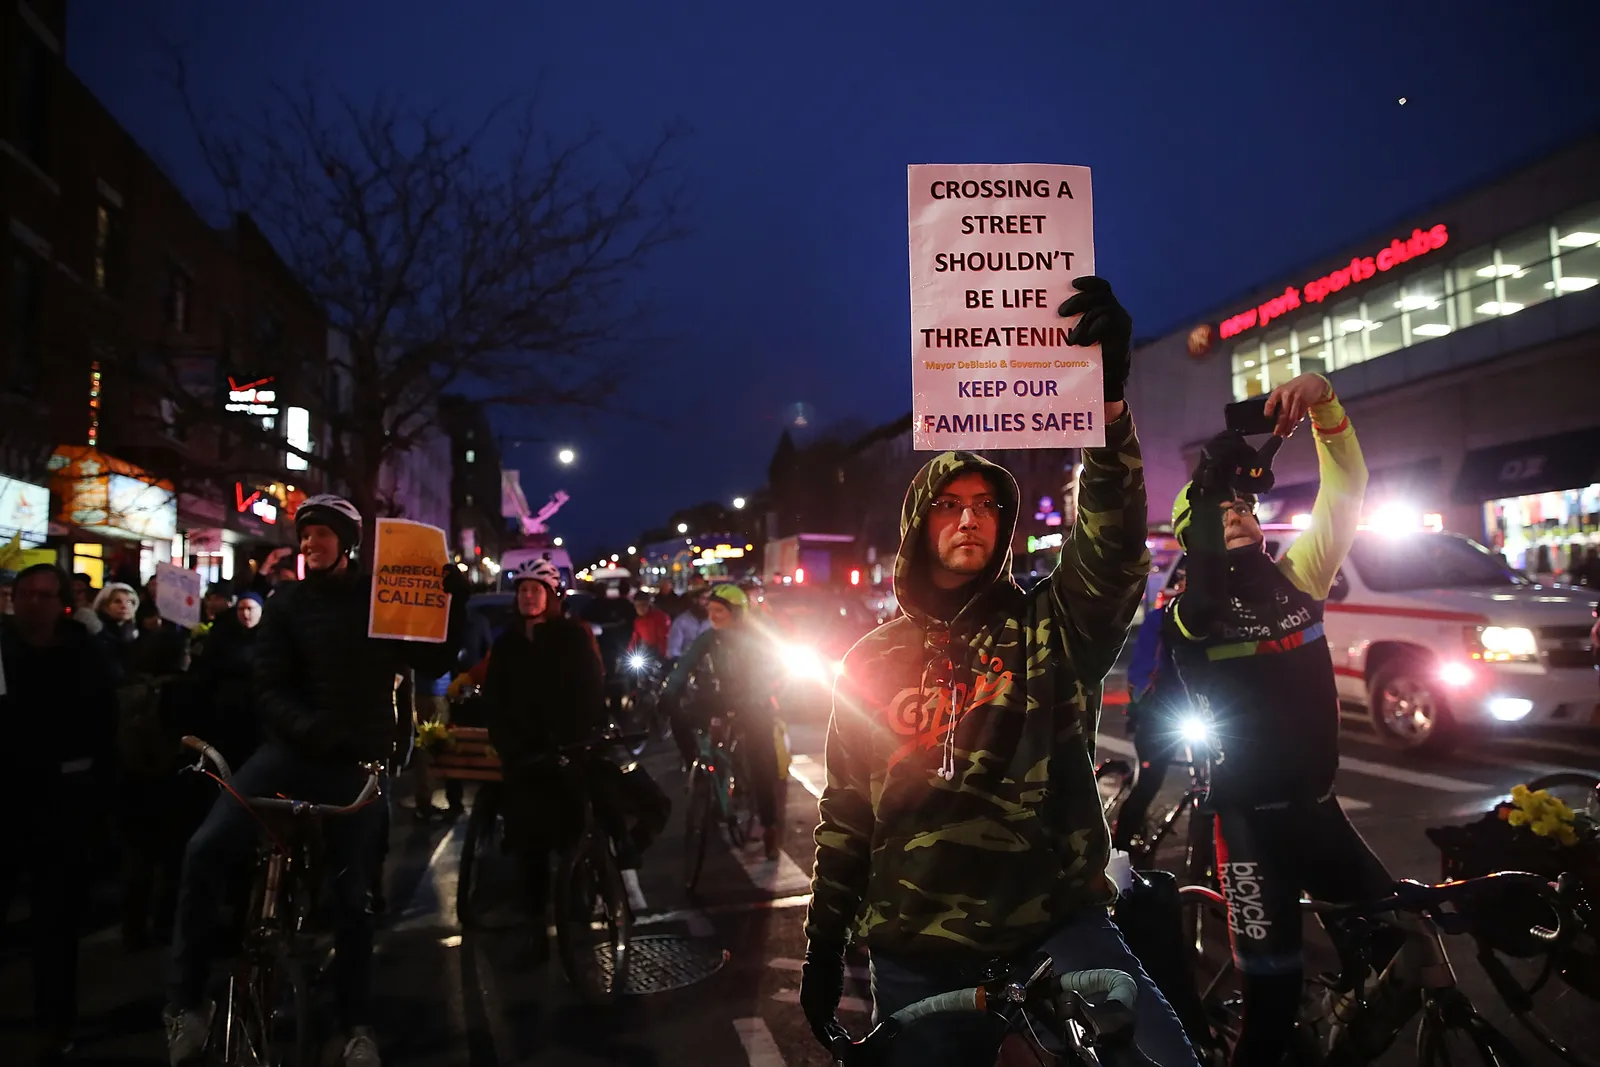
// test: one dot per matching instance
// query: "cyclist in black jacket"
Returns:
(326, 692)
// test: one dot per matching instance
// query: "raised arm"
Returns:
(1104, 562)
(1312, 562)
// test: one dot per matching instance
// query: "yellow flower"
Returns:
(1546, 827)
(1518, 818)
(1519, 793)
(1566, 836)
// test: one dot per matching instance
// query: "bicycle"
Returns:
(717, 797)
(593, 922)
(1199, 849)
(1505, 929)
(1086, 1032)
(266, 1013)
(1353, 1016)
(642, 700)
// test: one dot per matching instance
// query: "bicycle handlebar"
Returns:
(1112, 984)
(1422, 898)
(288, 804)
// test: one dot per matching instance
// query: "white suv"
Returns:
(1439, 639)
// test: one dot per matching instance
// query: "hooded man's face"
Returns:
(963, 525)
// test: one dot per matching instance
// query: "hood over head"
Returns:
(912, 585)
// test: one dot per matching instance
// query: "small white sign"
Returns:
(178, 593)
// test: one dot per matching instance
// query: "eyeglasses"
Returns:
(1242, 508)
(948, 507)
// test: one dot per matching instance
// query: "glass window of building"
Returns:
(1578, 245)
(1473, 281)
(1526, 276)
(1427, 311)
(1280, 360)
(1383, 321)
(1312, 343)
(1249, 375)
(1349, 334)
(1494, 280)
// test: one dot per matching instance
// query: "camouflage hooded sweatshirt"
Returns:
(961, 815)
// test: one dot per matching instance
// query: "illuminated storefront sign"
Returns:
(24, 511)
(297, 431)
(111, 496)
(1045, 543)
(253, 398)
(1358, 270)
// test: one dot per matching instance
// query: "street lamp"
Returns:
(557, 542)
(738, 503)
(683, 527)
(613, 557)
(632, 551)
(566, 457)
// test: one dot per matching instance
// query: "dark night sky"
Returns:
(1225, 151)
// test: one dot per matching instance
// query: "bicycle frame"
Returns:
(1420, 965)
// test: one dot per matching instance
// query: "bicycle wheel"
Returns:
(1216, 979)
(741, 809)
(266, 1020)
(593, 923)
(1200, 847)
(698, 822)
(1115, 779)
(484, 838)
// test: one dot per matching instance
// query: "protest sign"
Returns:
(178, 595)
(408, 598)
(994, 248)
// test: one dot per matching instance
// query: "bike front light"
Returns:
(637, 661)
(1194, 730)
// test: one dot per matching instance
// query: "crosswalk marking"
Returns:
(759, 1047)
(782, 875)
(781, 963)
(809, 773)
(1348, 763)
(851, 1004)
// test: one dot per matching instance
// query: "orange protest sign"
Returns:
(408, 598)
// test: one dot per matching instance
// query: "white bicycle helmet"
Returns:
(538, 570)
(334, 512)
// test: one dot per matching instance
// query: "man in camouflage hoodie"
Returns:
(961, 820)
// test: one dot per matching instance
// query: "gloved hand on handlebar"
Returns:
(821, 987)
(458, 686)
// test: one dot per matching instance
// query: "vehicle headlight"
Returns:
(802, 661)
(1503, 644)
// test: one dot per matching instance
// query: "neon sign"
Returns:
(1359, 269)
(252, 398)
(257, 503)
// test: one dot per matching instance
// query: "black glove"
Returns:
(821, 987)
(1228, 465)
(455, 581)
(1106, 323)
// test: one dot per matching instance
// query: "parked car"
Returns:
(1437, 639)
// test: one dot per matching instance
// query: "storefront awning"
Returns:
(1541, 465)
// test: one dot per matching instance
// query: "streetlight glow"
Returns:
(613, 557)
(566, 457)
(557, 542)
(683, 527)
(632, 550)
(738, 503)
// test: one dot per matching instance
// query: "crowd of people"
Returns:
(98, 687)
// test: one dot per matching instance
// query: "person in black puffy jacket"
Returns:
(326, 694)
